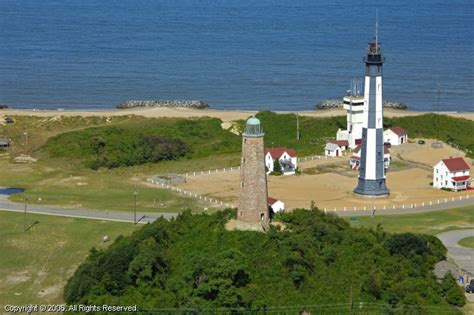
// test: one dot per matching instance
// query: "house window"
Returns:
(242, 184)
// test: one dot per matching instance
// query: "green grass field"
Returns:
(467, 242)
(36, 264)
(428, 222)
(64, 185)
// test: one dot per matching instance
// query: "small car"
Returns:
(470, 287)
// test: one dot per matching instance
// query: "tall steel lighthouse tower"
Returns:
(372, 172)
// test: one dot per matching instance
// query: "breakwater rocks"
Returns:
(163, 103)
(328, 104)
(3, 106)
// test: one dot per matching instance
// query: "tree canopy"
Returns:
(317, 260)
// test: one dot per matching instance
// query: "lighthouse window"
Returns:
(243, 160)
(242, 184)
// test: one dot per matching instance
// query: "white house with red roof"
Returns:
(285, 156)
(275, 204)
(354, 160)
(395, 136)
(452, 173)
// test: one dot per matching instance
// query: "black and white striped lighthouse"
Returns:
(372, 172)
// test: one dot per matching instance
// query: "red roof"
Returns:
(399, 131)
(460, 178)
(355, 157)
(386, 150)
(456, 164)
(276, 153)
(357, 149)
(271, 201)
(341, 143)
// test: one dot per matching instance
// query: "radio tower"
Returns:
(372, 173)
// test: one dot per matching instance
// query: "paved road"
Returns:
(7, 205)
(462, 256)
(121, 216)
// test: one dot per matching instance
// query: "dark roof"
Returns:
(276, 153)
(399, 131)
(456, 164)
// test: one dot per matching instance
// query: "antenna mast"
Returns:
(377, 30)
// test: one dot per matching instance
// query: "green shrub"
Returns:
(193, 263)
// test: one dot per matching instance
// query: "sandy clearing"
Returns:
(224, 115)
(333, 190)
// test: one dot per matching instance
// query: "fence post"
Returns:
(403, 206)
(364, 208)
(393, 207)
(344, 208)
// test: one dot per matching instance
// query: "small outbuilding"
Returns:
(332, 150)
(275, 205)
(285, 156)
(452, 173)
(395, 136)
(343, 144)
(4, 143)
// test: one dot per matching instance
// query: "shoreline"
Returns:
(226, 115)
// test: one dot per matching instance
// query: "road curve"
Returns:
(462, 256)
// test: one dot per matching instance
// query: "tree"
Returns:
(277, 167)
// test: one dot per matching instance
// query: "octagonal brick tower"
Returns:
(253, 205)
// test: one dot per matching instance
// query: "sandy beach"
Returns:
(224, 115)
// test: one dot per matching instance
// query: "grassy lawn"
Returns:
(64, 185)
(427, 223)
(467, 242)
(36, 264)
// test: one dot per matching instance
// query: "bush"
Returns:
(192, 262)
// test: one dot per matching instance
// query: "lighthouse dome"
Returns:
(253, 128)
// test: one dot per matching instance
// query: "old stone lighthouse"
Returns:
(253, 207)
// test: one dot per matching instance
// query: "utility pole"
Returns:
(25, 199)
(135, 194)
(26, 141)
(297, 127)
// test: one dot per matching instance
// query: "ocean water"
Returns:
(234, 54)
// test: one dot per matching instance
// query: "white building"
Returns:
(354, 160)
(275, 204)
(395, 136)
(343, 144)
(451, 173)
(354, 105)
(332, 150)
(286, 157)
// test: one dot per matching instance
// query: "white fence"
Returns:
(213, 171)
(423, 204)
(213, 202)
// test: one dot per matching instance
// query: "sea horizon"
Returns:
(245, 55)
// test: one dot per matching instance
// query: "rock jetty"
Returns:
(3, 106)
(329, 104)
(163, 103)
